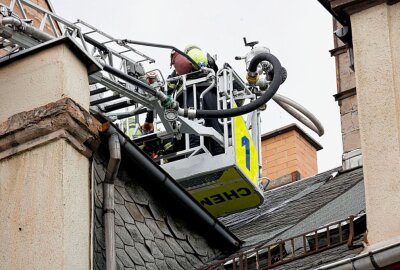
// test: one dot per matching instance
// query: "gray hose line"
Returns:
(209, 88)
(298, 112)
(26, 28)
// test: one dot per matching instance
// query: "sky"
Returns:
(299, 33)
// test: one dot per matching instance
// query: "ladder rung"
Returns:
(129, 114)
(95, 43)
(117, 106)
(98, 91)
(90, 32)
(103, 100)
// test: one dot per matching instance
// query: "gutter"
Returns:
(374, 259)
(162, 183)
(326, 4)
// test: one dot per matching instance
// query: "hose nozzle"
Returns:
(252, 79)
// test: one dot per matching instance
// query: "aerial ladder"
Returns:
(122, 92)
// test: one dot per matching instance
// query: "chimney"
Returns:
(347, 97)
(288, 154)
(47, 138)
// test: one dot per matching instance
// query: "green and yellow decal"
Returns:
(246, 153)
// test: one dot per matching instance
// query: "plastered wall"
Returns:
(376, 40)
(42, 78)
(45, 216)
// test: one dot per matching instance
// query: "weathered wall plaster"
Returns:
(376, 39)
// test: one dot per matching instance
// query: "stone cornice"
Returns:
(352, 6)
(342, 9)
(63, 119)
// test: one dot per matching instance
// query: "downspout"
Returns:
(108, 201)
(374, 259)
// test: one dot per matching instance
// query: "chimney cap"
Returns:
(289, 128)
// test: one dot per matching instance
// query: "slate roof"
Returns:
(300, 206)
(303, 206)
(148, 234)
(152, 235)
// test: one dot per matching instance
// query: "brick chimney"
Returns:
(288, 154)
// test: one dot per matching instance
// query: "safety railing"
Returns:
(265, 256)
(197, 85)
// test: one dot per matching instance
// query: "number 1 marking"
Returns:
(246, 144)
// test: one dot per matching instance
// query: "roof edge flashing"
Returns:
(373, 257)
(91, 64)
(291, 127)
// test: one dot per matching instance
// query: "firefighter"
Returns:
(183, 66)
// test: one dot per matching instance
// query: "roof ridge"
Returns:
(337, 169)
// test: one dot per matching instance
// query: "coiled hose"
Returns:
(274, 86)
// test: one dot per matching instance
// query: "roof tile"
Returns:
(124, 235)
(163, 227)
(154, 228)
(134, 255)
(118, 219)
(145, 231)
(118, 242)
(123, 193)
(134, 211)
(135, 233)
(156, 211)
(144, 252)
(185, 246)
(162, 265)
(144, 211)
(198, 244)
(164, 247)
(117, 197)
(184, 262)
(175, 228)
(123, 212)
(155, 251)
(173, 264)
(151, 266)
(194, 260)
(125, 259)
(175, 246)
(139, 195)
